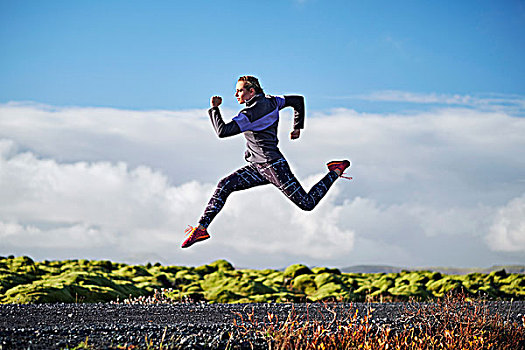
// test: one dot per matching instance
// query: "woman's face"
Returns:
(242, 94)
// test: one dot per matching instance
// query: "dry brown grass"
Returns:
(454, 322)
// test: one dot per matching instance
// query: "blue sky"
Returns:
(175, 54)
(106, 149)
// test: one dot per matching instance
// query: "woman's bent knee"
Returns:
(306, 206)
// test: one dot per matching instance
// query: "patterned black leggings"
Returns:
(278, 173)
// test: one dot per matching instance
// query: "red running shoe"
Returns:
(194, 235)
(339, 165)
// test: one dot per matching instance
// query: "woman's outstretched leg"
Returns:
(242, 179)
(279, 174)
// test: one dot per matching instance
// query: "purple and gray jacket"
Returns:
(258, 121)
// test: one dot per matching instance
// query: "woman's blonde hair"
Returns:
(252, 82)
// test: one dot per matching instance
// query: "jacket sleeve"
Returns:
(297, 103)
(221, 128)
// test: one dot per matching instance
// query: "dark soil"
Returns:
(182, 326)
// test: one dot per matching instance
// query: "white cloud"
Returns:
(429, 188)
(514, 104)
(46, 204)
(507, 232)
(170, 140)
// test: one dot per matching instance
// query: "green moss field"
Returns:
(23, 280)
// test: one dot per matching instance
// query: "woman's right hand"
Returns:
(216, 101)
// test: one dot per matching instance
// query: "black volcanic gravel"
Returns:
(180, 326)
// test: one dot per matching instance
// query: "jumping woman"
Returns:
(258, 122)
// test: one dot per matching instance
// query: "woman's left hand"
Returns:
(295, 134)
